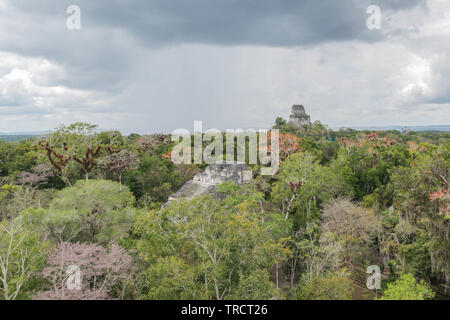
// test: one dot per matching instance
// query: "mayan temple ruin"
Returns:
(298, 117)
(206, 182)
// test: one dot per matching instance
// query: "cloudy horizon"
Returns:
(155, 66)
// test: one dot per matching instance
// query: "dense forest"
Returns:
(341, 201)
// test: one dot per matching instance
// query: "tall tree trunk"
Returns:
(276, 274)
(293, 268)
(216, 287)
(65, 178)
(289, 206)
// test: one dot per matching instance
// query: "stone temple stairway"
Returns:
(206, 182)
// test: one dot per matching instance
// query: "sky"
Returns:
(159, 65)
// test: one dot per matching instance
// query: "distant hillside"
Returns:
(442, 128)
(13, 137)
(17, 136)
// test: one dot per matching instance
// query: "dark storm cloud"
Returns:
(229, 22)
(106, 50)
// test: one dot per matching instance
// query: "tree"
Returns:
(442, 199)
(14, 199)
(16, 157)
(103, 272)
(78, 142)
(88, 160)
(414, 199)
(171, 278)
(112, 141)
(8, 201)
(280, 123)
(219, 243)
(35, 179)
(255, 286)
(316, 257)
(334, 286)
(151, 143)
(152, 172)
(407, 288)
(58, 160)
(93, 210)
(349, 224)
(369, 162)
(22, 254)
(289, 144)
(303, 185)
(118, 162)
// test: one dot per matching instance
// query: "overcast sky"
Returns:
(158, 65)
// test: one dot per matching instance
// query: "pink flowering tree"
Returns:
(78, 271)
(36, 178)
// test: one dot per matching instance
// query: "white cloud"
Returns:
(29, 89)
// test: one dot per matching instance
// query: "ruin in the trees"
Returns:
(298, 117)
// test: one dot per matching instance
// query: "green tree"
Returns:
(155, 178)
(407, 288)
(16, 157)
(90, 211)
(413, 186)
(14, 199)
(369, 162)
(333, 286)
(303, 185)
(220, 242)
(22, 254)
(73, 149)
(255, 286)
(280, 123)
(171, 278)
